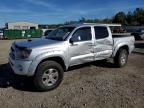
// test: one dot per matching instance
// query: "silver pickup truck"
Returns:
(46, 59)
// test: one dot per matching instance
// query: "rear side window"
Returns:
(82, 34)
(101, 32)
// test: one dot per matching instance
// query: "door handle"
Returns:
(74, 44)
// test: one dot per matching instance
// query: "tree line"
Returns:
(131, 18)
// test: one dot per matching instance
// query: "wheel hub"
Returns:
(123, 59)
(50, 77)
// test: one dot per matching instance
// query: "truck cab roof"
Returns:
(92, 24)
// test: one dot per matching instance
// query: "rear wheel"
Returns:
(48, 75)
(121, 58)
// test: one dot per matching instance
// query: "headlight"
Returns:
(23, 54)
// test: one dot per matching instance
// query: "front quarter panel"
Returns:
(39, 58)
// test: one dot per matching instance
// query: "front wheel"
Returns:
(48, 76)
(121, 58)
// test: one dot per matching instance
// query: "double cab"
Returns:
(46, 59)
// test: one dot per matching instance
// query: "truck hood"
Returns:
(37, 43)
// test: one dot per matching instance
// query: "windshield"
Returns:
(60, 33)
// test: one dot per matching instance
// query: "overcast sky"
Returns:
(59, 11)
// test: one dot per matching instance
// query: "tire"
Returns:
(48, 76)
(121, 58)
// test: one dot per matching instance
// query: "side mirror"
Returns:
(71, 40)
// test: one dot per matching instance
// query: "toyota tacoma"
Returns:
(46, 59)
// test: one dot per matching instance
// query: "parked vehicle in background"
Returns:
(139, 34)
(1, 34)
(47, 59)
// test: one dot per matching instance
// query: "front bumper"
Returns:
(20, 67)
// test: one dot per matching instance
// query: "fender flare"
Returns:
(118, 47)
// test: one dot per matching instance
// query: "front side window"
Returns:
(101, 32)
(82, 34)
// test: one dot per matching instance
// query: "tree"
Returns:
(82, 20)
(107, 20)
(120, 17)
(130, 18)
(135, 17)
(70, 22)
(139, 16)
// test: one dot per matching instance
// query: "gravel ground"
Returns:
(93, 85)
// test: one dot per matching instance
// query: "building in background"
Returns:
(21, 26)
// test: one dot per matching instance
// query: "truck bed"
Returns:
(123, 39)
(115, 35)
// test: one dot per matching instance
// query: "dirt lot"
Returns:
(93, 85)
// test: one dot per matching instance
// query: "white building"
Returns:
(21, 25)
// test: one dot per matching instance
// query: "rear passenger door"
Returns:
(103, 42)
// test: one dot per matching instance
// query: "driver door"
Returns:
(81, 46)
